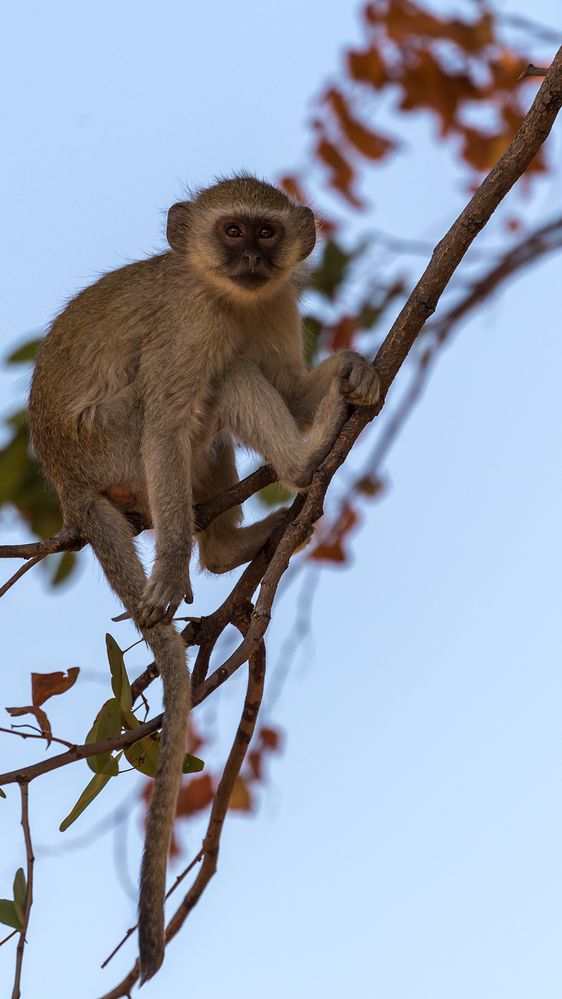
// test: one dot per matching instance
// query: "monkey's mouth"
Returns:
(247, 279)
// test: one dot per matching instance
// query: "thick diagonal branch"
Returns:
(395, 348)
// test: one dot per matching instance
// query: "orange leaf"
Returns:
(241, 797)
(426, 84)
(505, 68)
(292, 187)
(45, 685)
(368, 67)
(371, 144)
(195, 795)
(370, 486)
(270, 738)
(342, 174)
(341, 333)
(254, 760)
(483, 151)
(331, 548)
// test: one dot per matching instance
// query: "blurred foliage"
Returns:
(22, 486)
(415, 59)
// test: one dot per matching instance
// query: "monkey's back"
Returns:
(84, 383)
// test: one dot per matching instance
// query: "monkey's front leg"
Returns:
(257, 415)
(358, 381)
(167, 460)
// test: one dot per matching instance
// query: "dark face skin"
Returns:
(249, 248)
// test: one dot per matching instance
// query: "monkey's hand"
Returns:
(359, 380)
(162, 596)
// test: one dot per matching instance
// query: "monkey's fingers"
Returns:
(361, 384)
(160, 601)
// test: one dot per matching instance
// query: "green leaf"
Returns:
(8, 914)
(275, 493)
(27, 352)
(129, 720)
(332, 271)
(20, 890)
(106, 726)
(119, 679)
(65, 566)
(90, 792)
(144, 755)
(192, 764)
(2, 793)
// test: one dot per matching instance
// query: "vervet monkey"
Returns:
(142, 386)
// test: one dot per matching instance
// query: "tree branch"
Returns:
(205, 513)
(421, 304)
(24, 791)
(543, 240)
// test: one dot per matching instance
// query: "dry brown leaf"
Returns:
(331, 547)
(270, 737)
(40, 717)
(195, 795)
(45, 685)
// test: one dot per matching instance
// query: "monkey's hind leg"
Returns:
(224, 545)
(110, 536)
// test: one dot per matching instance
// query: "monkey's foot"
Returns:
(223, 553)
(161, 599)
(360, 382)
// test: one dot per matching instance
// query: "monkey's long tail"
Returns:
(111, 538)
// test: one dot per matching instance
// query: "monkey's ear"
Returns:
(177, 229)
(308, 231)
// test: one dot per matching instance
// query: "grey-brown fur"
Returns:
(142, 386)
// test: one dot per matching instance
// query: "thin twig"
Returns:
(14, 730)
(531, 70)
(24, 791)
(21, 572)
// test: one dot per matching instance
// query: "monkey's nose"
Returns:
(252, 259)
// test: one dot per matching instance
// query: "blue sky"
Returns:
(409, 842)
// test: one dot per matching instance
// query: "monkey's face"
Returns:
(250, 250)
(242, 237)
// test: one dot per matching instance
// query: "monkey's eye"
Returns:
(233, 231)
(266, 232)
